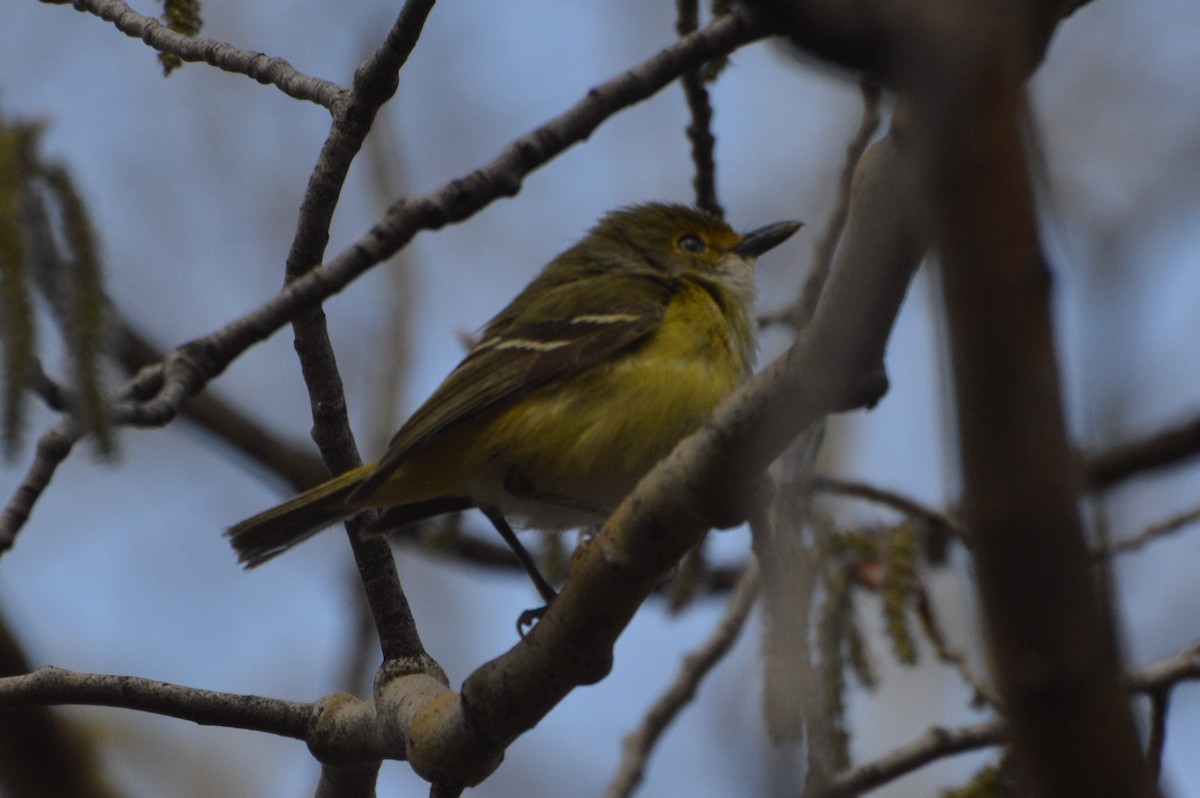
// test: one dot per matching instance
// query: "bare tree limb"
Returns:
(937, 743)
(52, 685)
(639, 744)
(344, 725)
(274, 71)
(896, 501)
(1148, 534)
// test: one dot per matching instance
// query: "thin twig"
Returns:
(51, 685)
(1183, 666)
(936, 743)
(826, 245)
(473, 550)
(699, 131)
(896, 501)
(262, 68)
(297, 464)
(1149, 534)
(154, 398)
(52, 448)
(640, 743)
(393, 343)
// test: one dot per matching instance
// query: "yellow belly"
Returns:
(585, 442)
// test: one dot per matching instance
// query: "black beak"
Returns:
(756, 242)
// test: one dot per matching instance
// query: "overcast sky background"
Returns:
(194, 184)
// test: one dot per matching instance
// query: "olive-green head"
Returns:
(673, 239)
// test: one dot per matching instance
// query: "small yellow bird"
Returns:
(622, 346)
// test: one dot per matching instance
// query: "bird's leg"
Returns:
(548, 594)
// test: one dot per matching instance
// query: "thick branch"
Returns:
(888, 38)
(1050, 637)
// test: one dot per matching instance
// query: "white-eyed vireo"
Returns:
(622, 346)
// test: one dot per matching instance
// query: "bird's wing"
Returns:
(569, 328)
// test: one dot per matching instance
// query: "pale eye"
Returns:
(690, 243)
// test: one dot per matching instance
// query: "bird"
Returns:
(620, 347)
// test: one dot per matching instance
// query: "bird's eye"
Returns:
(690, 243)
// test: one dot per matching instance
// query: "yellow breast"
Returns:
(591, 438)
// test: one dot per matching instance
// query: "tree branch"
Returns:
(343, 726)
(297, 465)
(1050, 637)
(937, 743)
(699, 131)
(374, 84)
(274, 71)
(903, 504)
(1149, 534)
(1110, 468)
(52, 685)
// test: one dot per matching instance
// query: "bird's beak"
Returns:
(756, 242)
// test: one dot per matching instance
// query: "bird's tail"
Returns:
(274, 531)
